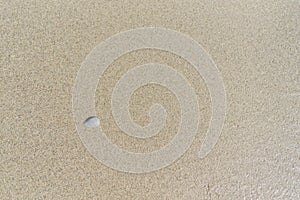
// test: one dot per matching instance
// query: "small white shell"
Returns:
(92, 122)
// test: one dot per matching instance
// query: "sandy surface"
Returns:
(256, 46)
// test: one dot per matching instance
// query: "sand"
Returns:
(254, 44)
